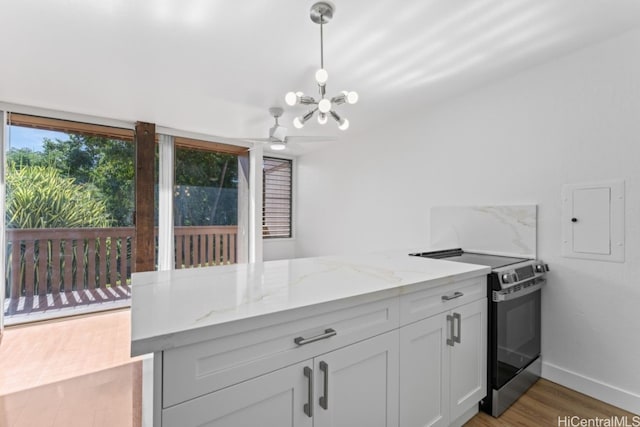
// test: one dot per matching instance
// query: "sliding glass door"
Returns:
(69, 217)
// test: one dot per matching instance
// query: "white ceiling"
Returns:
(215, 66)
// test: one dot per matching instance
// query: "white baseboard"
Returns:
(612, 395)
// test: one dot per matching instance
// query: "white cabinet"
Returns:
(355, 385)
(424, 369)
(194, 370)
(443, 366)
(383, 363)
(468, 358)
(274, 399)
(358, 385)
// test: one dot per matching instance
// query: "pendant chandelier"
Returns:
(321, 13)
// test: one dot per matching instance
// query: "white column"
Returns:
(244, 195)
(255, 204)
(166, 256)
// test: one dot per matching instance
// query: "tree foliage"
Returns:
(106, 164)
(40, 197)
(206, 190)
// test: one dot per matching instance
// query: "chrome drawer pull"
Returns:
(328, 333)
(324, 400)
(450, 297)
(450, 341)
(456, 338)
(308, 407)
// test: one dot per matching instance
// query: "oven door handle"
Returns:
(499, 297)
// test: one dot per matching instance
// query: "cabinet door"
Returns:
(274, 399)
(424, 373)
(359, 383)
(469, 357)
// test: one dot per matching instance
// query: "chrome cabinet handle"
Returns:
(327, 334)
(308, 407)
(324, 400)
(456, 338)
(450, 324)
(450, 297)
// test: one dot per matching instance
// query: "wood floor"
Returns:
(107, 398)
(42, 353)
(549, 404)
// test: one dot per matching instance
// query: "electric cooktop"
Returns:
(458, 255)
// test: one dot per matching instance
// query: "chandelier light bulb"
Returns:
(352, 97)
(324, 105)
(322, 76)
(291, 98)
(298, 123)
(344, 124)
(322, 118)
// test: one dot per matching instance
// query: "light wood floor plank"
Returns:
(545, 402)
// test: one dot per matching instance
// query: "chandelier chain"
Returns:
(321, 42)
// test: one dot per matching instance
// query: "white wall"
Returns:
(274, 249)
(576, 119)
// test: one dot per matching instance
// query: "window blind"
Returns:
(276, 197)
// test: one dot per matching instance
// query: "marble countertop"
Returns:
(168, 303)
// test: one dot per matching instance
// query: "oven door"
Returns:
(516, 333)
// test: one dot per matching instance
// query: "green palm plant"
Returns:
(40, 197)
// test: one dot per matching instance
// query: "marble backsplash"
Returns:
(501, 230)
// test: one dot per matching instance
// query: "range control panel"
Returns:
(517, 274)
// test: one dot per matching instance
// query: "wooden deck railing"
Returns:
(205, 246)
(44, 261)
(55, 260)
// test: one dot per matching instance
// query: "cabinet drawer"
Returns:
(273, 399)
(201, 368)
(422, 304)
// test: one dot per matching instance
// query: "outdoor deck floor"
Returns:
(43, 307)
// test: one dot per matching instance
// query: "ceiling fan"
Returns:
(278, 138)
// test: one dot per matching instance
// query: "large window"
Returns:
(276, 204)
(202, 203)
(69, 215)
(73, 236)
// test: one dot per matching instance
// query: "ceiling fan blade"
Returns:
(278, 132)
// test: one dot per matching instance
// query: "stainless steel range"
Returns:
(513, 288)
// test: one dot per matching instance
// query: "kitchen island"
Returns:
(376, 340)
